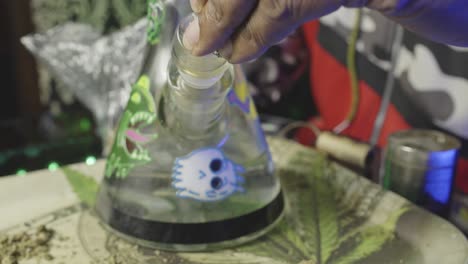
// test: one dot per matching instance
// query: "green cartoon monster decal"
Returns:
(128, 150)
(156, 14)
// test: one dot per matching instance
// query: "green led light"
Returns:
(21, 172)
(53, 166)
(85, 125)
(91, 160)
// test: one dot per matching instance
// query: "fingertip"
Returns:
(191, 35)
(226, 50)
(233, 61)
(234, 58)
(236, 61)
(198, 51)
(218, 20)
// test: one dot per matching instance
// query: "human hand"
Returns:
(242, 30)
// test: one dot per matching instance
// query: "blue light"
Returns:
(439, 184)
(442, 159)
(439, 177)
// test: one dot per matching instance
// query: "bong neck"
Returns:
(197, 113)
(198, 88)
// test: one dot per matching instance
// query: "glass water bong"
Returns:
(190, 167)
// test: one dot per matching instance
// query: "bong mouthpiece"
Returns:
(201, 72)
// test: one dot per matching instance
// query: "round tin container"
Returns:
(420, 165)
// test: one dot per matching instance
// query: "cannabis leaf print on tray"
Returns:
(325, 223)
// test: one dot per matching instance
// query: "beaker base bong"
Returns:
(190, 169)
(191, 237)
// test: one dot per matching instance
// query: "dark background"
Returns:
(17, 68)
(30, 137)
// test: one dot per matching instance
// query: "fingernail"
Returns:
(191, 35)
(226, 50)
(196, 6)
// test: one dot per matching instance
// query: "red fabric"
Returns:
(331, 91)
(330, 87)
(462, 176)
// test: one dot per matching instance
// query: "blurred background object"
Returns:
(41, 123)
(280, 82)
(97, 69)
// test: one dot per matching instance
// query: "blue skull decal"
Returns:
(206, 175)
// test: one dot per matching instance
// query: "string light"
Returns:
(21, 172)
(90, 160)
(85, 124)
(53, 166)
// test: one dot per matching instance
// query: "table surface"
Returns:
(359, 222)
